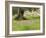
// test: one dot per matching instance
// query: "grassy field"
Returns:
(32, 24)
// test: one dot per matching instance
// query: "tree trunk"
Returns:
(20, 14)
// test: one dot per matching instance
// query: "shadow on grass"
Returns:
(24, 18)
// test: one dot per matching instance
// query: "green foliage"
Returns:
(15, 9)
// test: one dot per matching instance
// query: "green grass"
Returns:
(34, 25)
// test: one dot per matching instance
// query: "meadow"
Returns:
(33, 23)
